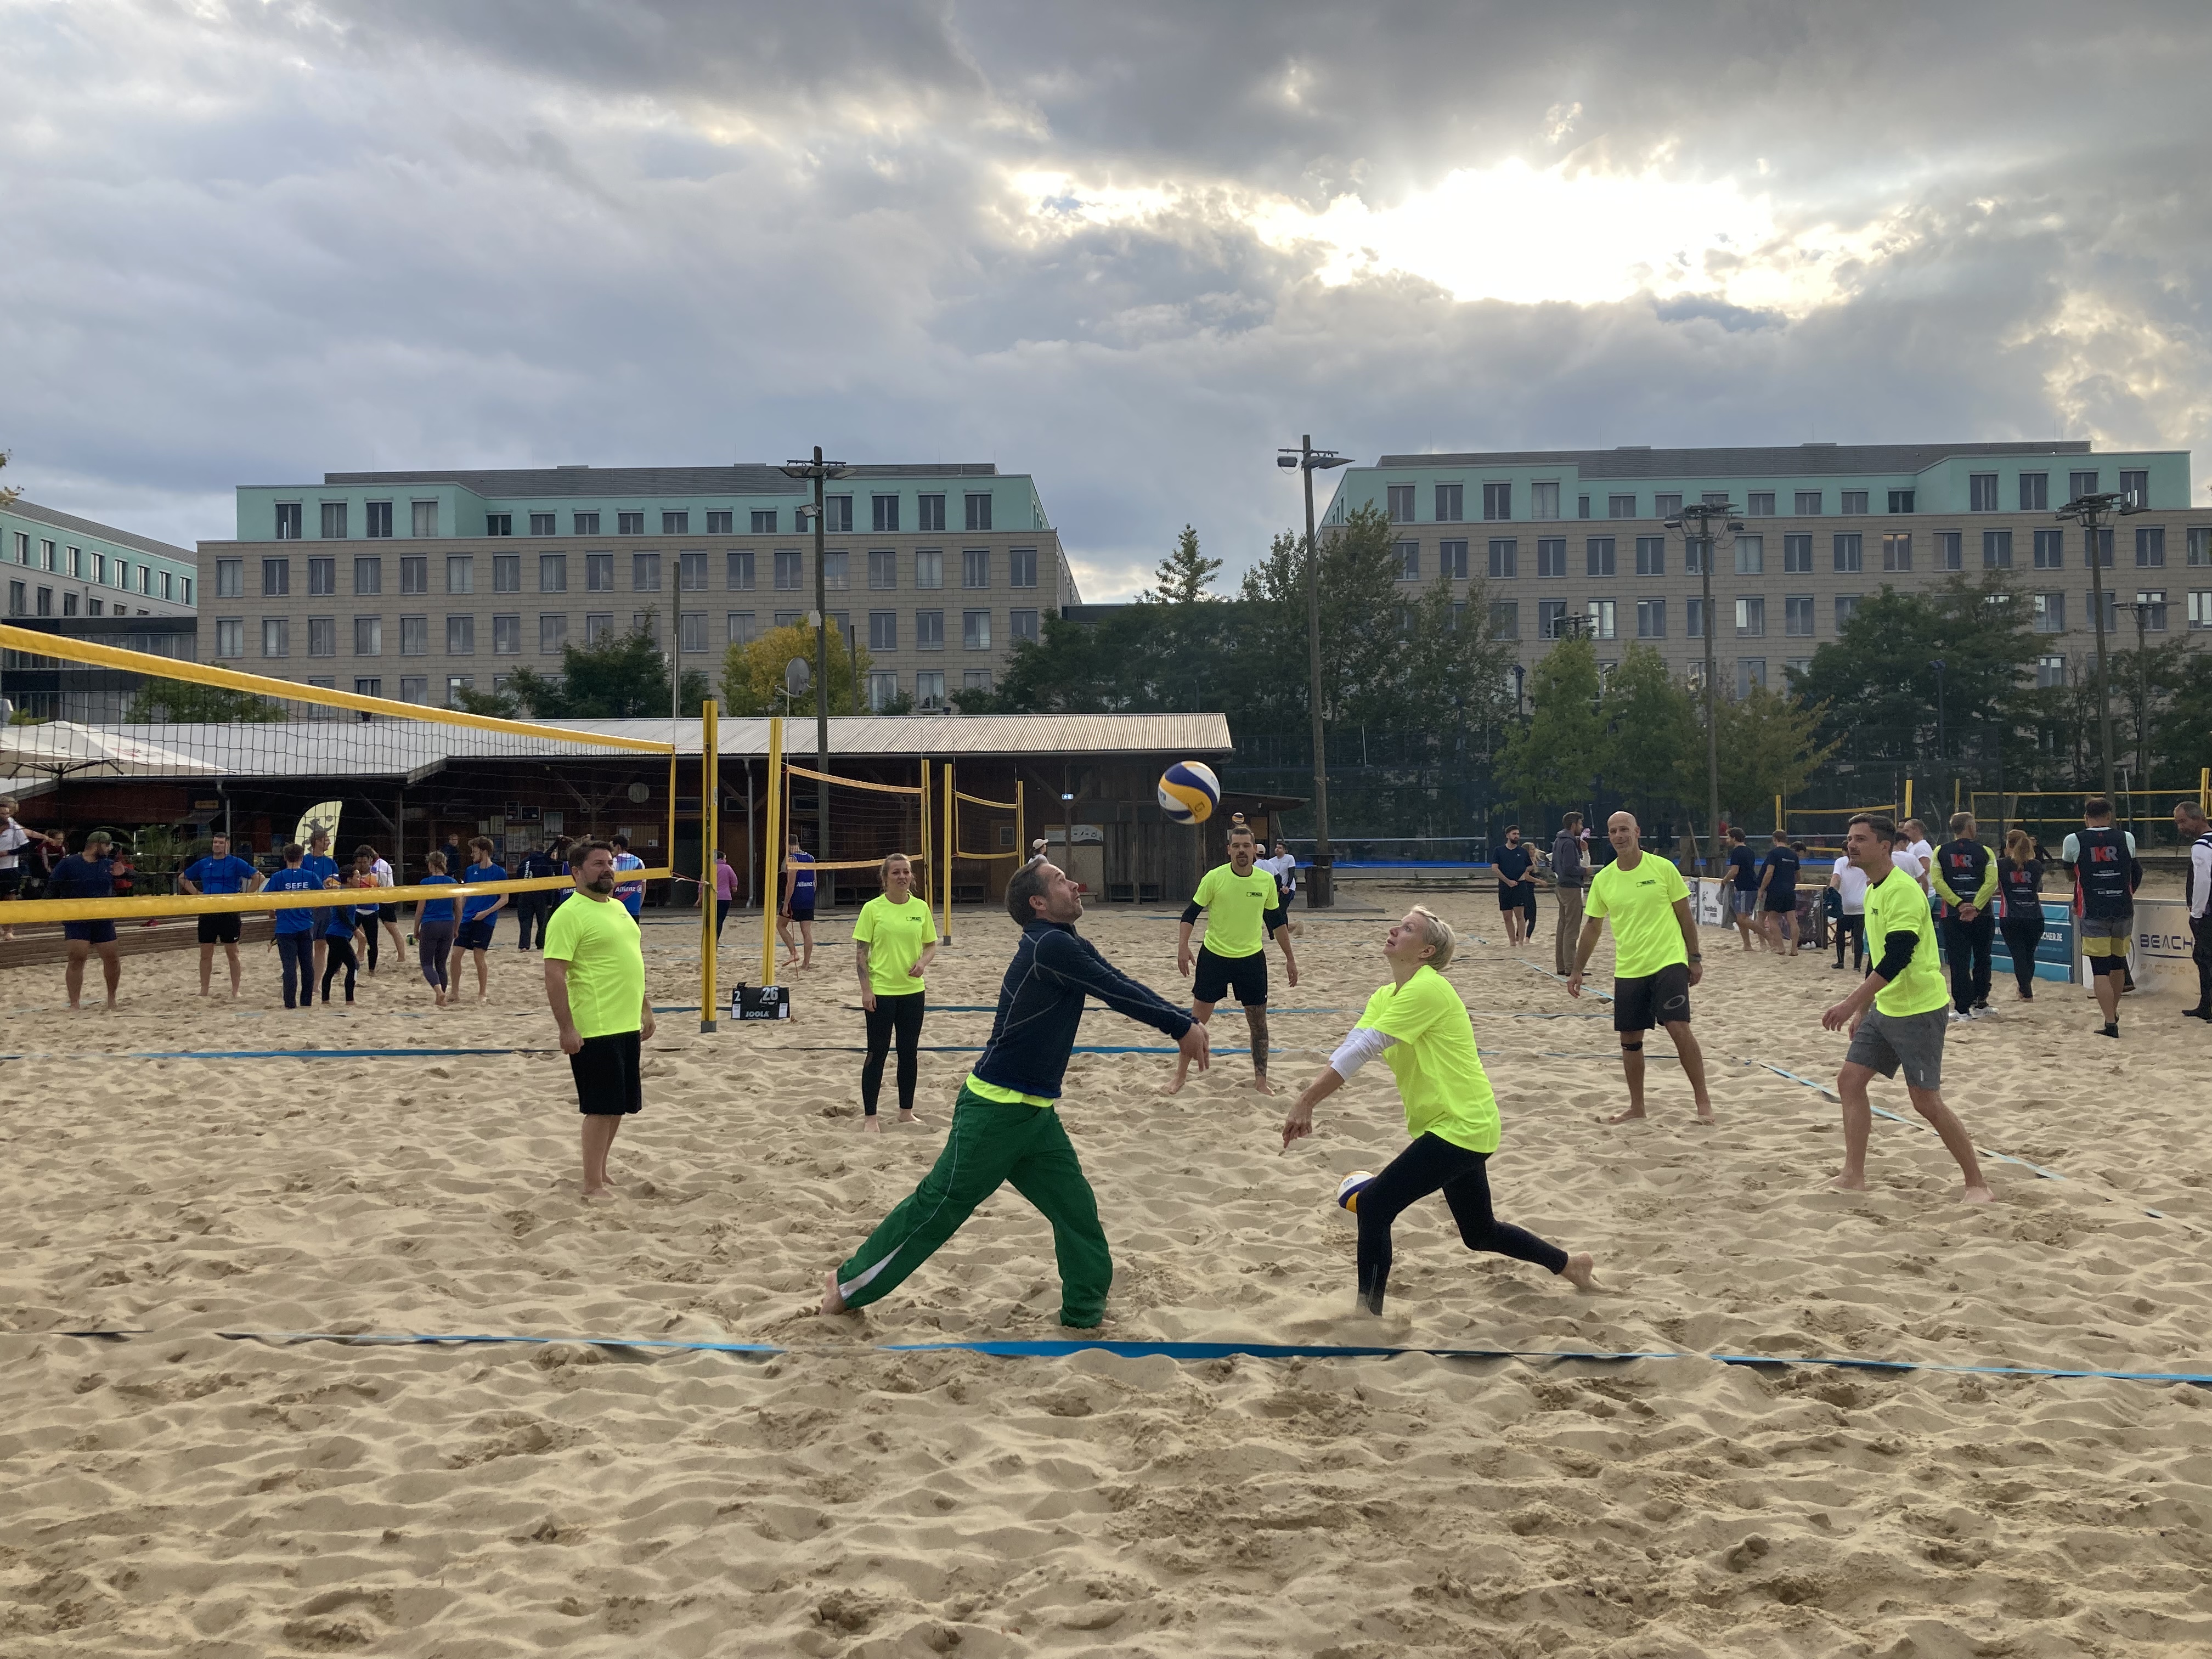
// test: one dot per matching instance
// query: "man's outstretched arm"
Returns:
(1077, 961)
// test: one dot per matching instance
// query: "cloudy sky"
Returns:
(1129, 247)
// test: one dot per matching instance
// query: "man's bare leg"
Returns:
(1929, 1102)
(807, 932)
(599, 1131)
(1858, 1124)
(207, 967)
(1256, 1017)
(2107, 987)
(237, 970)
(73, 974)
(1202, 1012)
(483, 976)
(322, 956)
(1693, 1066)
(111, 970)
(1632, 1068)
(832, 1301)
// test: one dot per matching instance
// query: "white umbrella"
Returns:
(62, 748)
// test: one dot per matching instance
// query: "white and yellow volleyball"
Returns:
(1349, 1190)
(1189, 792)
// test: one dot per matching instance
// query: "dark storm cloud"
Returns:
(250, 242)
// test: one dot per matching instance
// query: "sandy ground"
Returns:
(182, 1493)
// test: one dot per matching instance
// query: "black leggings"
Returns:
(341, 955)
(1429, 1163)
(2022, 934)
(370, 928)
(433, 940)
(1966, 947)
(899, 1015)
(1851, 930)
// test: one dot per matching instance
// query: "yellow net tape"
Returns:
(986, 857)
(185, 904)
(851, 783)
(977, 800)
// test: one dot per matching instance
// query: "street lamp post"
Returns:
(1321, 894)
(1942, 749)
(1703, 512)
(820, 470)
(2142, 608)
(2091, 513)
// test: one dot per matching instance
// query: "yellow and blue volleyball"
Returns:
(1189, 792)
(1349, 1190)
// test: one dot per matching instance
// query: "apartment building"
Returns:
(57, 565)
(418, 585)
(1581, 534)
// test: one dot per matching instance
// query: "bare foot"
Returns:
(909, 1121)
(590, 1193)
(832, 1303)
(1978, 1195)
(871, 1124)
(1259, 1082)
(1848, 1183)
(1581, 1271)
(1705, 1112)
(1633, 1114)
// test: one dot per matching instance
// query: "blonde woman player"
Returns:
(1419, 1027)
(893, 941)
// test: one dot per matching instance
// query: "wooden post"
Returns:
(951, 825)
(710, 793)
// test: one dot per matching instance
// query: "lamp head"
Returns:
(1736, 523)
(1673, 524)
(1288, 462)
(1332, 459)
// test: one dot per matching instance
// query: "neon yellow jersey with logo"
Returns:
(1646, 936)
(1235, 910)
(1898, 905)
(1440, 1077)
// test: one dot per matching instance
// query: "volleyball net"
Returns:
(1822, 827)
(982, 841)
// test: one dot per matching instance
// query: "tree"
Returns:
(1551, 760)
(1082, 668)
(752, 675)
(1769, 746)
(1185, 665)
(2181, 731)
(1185, 576)
(1654, 751)
(498, 705)
(159, 700)
(622, 677)
(1361, 680)
(7, 495)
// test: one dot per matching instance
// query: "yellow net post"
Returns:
(1778, 822)
(1021, 829)
(946, 930)
(928, 871)
(772, 838)
(2204, 789)
(1908, 798)
(710, 884)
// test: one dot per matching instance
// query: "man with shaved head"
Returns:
(1656, 958)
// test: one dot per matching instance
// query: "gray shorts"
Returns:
(2121, 928)
(1744, 901)
(1885, 1042)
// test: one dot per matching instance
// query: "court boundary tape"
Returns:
(1185, 1351)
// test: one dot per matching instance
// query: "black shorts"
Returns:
(1217, 974)
(474, 935)
(95, 932)
(801, 910)
(1655, 1000)
(1509, 899)
(11, 883)
(1781, 903)
(219, 928)
(607, 1078)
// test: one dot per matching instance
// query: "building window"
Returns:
(1855, 502)
(2079, 484)
(1900, 501)
(1750, 617)
(790, 571)
(461, 573)
(275, 577)
(1551, 556)
(414, 688)
(929, 690)
(456, 684)
(322, 576)
(2111, 610)
(2150, 547)
(1949, 544)
(2051, 613)
(1761, 504)
(2200, 608)
(1598, 556)
(1666, 507)
(22, 547)
(1505, 619)
(721, 523)
(1809, 504)
(507, 573)
(1409, 561)
(1651, 619)
(1620, 507)
(322, 636)
(1749, 672)
(1451, 561)
(53, 559)
(2135, 486)
(2150, 609)
(645, 573)
(370, 686)
(583, 524)
(2050, 550)
(368, 637)
(976, 630)
(1504, 552)
(837, 515)
(1694, 618)
(691, 631)
(424, 518)
(1797, 555)
(928, 568)
(1543, 500)
(288, 523)
(744, 629)
(415, 574)
(1849, 554)
(835, 576)
(2034, 492)
(763, 521)
(1897, 549)
(1021, 566)
(883, 631)
(1496, 501)
(882, 569)
(929, 512)
(676, 522)
(1022, 625)
(229, 634)
(460, 636)
(884, 518)
(2200, 546)
(552, 633)
(1997, 549)
(974, 679)
(498, 523)
(882, 687)
(93, 607)
(1751, 556)
(598, 627)
(598, 573)
(1451, 503)
(505, 634)
(1550, 613)
(629, 524)
(166, 581)
(691, 572)
(1400, 498)
(414, 636)
(2050, 672)
(1694, 555)
(334, 521)
(542, 524)
(1604, 623)
(1982, 492)
(276, 637)
(2104, 547)
(1847, 605)
(1650, 555)
(552, 573)
(379, 517)
(69, 602)
(1797, 616)
(929, 631)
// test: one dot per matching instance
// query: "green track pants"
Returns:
(992, 1143)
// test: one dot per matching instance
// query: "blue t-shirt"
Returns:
(75, 878)
(436, 910)
(227, 874)
(802, 886)
(300, 919)
(321, 866)
(341, 922)
(631, 893)
(473, 908)
(1745, 863)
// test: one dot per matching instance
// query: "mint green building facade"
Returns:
(56, 564)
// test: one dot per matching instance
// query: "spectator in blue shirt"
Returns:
(88, 875)
(480, 914)
(295, 929)
(318, 862)
(220, 872)
(631, 893)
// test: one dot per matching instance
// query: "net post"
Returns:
(710, 883)
(949, 824)
(1021, 828)
(928, 870)
(771, 848)
(1778, 823)
(1908, 799)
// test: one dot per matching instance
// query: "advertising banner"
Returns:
(2054, 951)
(2162, 961)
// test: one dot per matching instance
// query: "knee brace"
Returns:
(1635, 1048)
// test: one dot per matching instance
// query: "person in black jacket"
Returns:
(2020, 882)
(533, 910)
(1965, 877)
(1006, 1122)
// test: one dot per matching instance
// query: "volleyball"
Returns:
(1189, 792)
(1349, 1190)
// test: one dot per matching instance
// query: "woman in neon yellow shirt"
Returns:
(893, 942)
(1419, 1025)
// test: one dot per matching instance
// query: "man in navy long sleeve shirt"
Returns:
(1006, 1123)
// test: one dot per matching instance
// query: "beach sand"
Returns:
(177, 1492)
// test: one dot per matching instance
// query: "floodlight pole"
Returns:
(1705, 513)
(821, 471)
(1321, 889)
(2089, 512)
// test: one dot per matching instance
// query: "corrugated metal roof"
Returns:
(1802, 460)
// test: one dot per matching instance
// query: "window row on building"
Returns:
(101, 568)
(1748, 616)
(335, 520)
(691, 572)
(1846, 551)
(468, 635)
(883, 688)
(1450, 501)
(37, 600)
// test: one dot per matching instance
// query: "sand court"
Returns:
(183, 1492)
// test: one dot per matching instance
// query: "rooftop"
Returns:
(106, 532)
(1795, 460)
(749, 478)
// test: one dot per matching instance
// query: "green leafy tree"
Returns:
(1654, 751)
(2181, 730)
(497, 705)
(1769, 746)
(6, 494)
(163, 701)
(622, 677)
(752, 675)
(1184, 665)
(1185, 576)
(1551, 759)
(1362, 679)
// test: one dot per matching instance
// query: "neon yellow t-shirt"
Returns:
(598, 940)
(1646, 937)
(1003, 1095)
(1235, 910)
(1440, 1077)
(896, 935)
(1897, 905)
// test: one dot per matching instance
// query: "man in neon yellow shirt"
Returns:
(1898, 1013)
(1243, 907)
(595, 981)
(1656, 958)
(1419, 1025)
